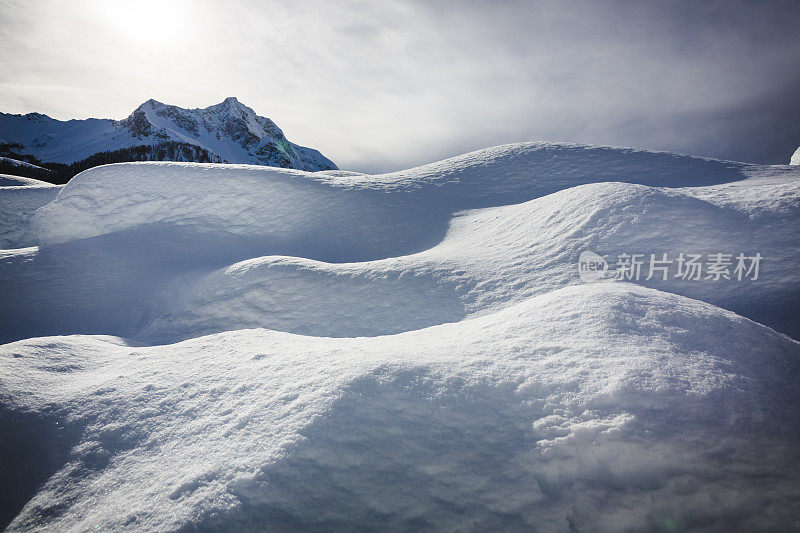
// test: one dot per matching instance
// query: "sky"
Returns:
(381, 85)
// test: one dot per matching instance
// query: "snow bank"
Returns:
(19, 201)
(7, 180)
(292, 212)
(254, 200)
(307, 297)
(202, 242)
(432, 359)
(494, 257)
(606, 407)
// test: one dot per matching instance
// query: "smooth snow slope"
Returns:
(430, 358)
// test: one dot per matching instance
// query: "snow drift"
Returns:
(605, 407)
(412, 350)
(8, 180)
(19, 200)
(215, 198)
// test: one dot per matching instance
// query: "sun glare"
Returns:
(148, 22)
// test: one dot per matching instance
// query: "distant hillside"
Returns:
(30, 167)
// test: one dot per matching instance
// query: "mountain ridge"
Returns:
(230, 131)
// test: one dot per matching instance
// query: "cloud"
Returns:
(381, 86)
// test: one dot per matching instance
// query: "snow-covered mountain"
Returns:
(230, 131)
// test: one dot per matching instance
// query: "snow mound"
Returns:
(294, 213)
(413, 350)
(518, 251)
(256, 200)
(306, 297)
(7, 180)
(513, 173)
(19, 200)
(795, 160)
(606, 407)
(426, 257)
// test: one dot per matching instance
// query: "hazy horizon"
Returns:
(390, 86)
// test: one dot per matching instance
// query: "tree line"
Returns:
(60, 173)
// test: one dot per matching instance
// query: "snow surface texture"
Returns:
(229, 130)
(405, 351)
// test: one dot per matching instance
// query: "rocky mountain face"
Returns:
(228, 132)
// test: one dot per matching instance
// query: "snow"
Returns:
(8, 180)
(492, 177)
(19, 200)
(795, 157)
(207, 347)
(58, 141)
(608, 406)
(18, 163)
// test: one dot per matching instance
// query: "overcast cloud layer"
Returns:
(382, 86)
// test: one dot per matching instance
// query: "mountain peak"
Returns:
(151, 103)
(230, 132)
(231, 105)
